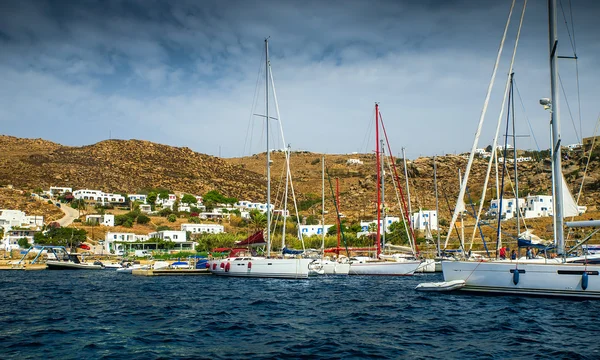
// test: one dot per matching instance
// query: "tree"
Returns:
(23, 243)
(151, 198)
(311, 220)
(163, 195)
(61, 237)
(489, 148)
(214, 197)
(189, 199)
(142, 219)
(258, 220)
(172, 218)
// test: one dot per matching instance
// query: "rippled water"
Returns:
(104, 314)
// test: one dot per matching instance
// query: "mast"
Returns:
(378, 180)
(337, 199)
(383, 192)
(555, 121)
(407, 186)
(268, 151)
(437, 205)
(323, 206)
(462, 224)
(515, 155)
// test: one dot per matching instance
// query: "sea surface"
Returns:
(110, 315)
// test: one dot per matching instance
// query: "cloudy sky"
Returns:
(188, 73)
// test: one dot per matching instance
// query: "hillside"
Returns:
(133, 165)
(121, 166)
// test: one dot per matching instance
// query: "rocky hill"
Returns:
(132, 165)
(121, 166)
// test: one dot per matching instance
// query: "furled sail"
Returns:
(569, 205)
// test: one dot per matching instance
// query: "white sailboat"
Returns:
(547, 277)
(397, 266)
(263, 267)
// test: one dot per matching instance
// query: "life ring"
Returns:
(227, 267)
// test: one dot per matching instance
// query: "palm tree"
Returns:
(258, 221)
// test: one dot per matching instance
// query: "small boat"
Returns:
(129, 268)
(441, 286)
(71, 262)
(111, 266)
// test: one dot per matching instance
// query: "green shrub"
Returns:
(172, 218)
(50, 202)
(143, 219)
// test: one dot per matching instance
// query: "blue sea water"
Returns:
(109, 315)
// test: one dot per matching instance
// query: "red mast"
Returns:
(378, 180)
(337, 199)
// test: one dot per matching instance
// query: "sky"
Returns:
(191, 73)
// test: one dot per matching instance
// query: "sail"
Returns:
(569, 205)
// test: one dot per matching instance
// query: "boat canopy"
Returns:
(291, 251)
(256, 239)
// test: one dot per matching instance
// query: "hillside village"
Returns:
(118, 221)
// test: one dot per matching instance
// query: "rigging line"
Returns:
(569, 107)
(250, 128)
(567, 26)
(499, 121)
(526, 117)
(478, 225)
(463, 186)
(367, 137)
(337, 211)
(504, 171)
(588, 160)
(396, 187)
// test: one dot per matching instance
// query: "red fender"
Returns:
(222, 265)
(249, 265)
(227, 267)
(214, 266)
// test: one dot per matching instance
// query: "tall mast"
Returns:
(383, 192)
(514, 127)
(462, 224)
(407, 186)
(377, 239)
(437, 205)
(337, 200)
(323, 206)
(268, 151)
(555, 121)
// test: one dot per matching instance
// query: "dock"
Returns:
(170, 272)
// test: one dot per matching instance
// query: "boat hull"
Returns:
(63, 265)
(384, 268)
(544, 279)
(261, 268)
(428, 266)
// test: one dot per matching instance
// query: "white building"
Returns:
(14, 218)
(169, 235)
(104, 220)
(137, 197)
(168, 202)
(11, 238)
(112, 240)
(573, 146)
(509, 208)
(354, 162)
(249, 205)
(388, 220)
(310, 230)
(538, 206)
(203, 228)
(98, 196)
(146, 208)
(57, 190)
(425, 220)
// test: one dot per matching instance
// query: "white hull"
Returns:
(534, 278)
(427, 266)
(335, 268)
(69, 265)
(258, 267)
(385, 268)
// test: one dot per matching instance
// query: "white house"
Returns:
(104, 220)
(573, 146)
(168, 202)
(203, 228)
(146, 208)
(248, 205)
(509, 208)
(112, 239)
(137, 197)
(57, 190)
(425, 219)
(388, 220)
(11, 238)
(310, 230)
(169, 235)
(13, 218)
(98, 196)
(538, 206)
(354, 162)
(184, 208)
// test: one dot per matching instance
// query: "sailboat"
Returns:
(263, 267)
(547, 277)
(377, 266)
(324, 265)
